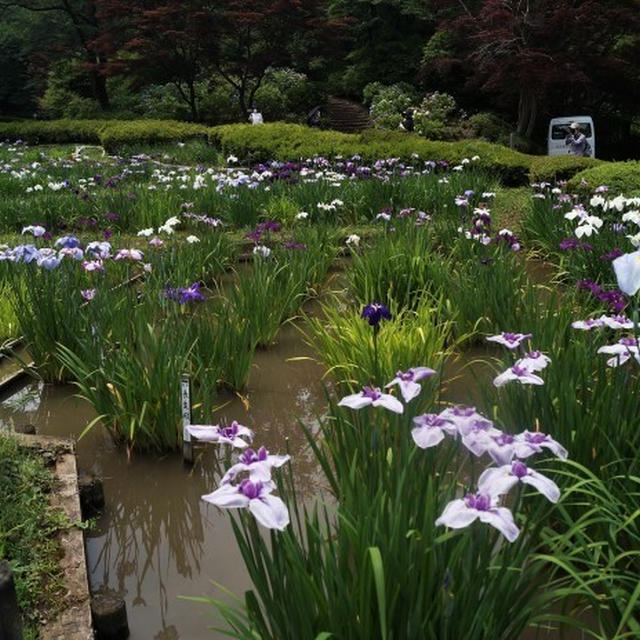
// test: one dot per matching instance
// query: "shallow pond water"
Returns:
(157, 540)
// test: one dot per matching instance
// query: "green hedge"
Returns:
(111, 134)
(620, 177)
(53, 131)
(280, 141)
(552, 168)
(125, 132)
(289, 142)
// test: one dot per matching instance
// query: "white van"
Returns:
(559, 130)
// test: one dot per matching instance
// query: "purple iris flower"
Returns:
(408, 381)
(589, 285)
(499, 481)
(501, 448)
(510, 340)
(622, 351)
(295, 246)
(75, 254)
(254, 235)
(48, 262)
(93, 265)
(465, 419)
(35, 229)
(528, 443)
(232, 434)
(88, 294)
(270, 511)
(534, 361)
(518, 372)
(462, 512)
(257, 463)
(430, 430)
(191, 294)
(268, 225)
(372, 397)
(616, 322)
(477, 434)
(67, 242)
(375, 312)
(612, 255)
(588, 325)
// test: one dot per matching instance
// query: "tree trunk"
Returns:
(98, 82)
(193, 102)
(527, 112)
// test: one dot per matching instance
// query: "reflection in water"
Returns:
(157, 540)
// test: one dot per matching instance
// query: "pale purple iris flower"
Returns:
(48, 259)
(374, 397)
(75, 253)
(622, 351)
(88, 294)
(93, 265)
(128, 254)
(99, 249)
(35, 229)
(522, 374)
(627, 268)
(67, 242)
(477, 435)
(270, 511)
(534, 361)
(588, 325)
(500, 480)
(430, 430)
(510, 340)
(462, 512)
(408, 381)
(617, 322)
(234, 434)
(465, 419)
(257, 463)
(528, 443)
(501, 448)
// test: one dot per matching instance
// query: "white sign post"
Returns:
(187, 445)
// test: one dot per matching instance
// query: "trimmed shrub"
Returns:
(620, 177)
(109, 133)
(119, 132)
(280, 141)
(553, 168)
(53, 131)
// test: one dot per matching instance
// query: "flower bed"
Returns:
(441, 517)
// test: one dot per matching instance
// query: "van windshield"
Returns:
(560, 131)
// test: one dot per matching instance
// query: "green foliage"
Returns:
(620, 177)
(117, 133)
(554, 168)
(8, 320)
(434, 118)
(287, 142)
(387, 104)
(489, 127)
(285, 94)
(28, 531)
(346, 345)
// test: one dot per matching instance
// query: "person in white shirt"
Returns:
(255, 117)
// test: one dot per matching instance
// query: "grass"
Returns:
(28, 533)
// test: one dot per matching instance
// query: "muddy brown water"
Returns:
(157, 540)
